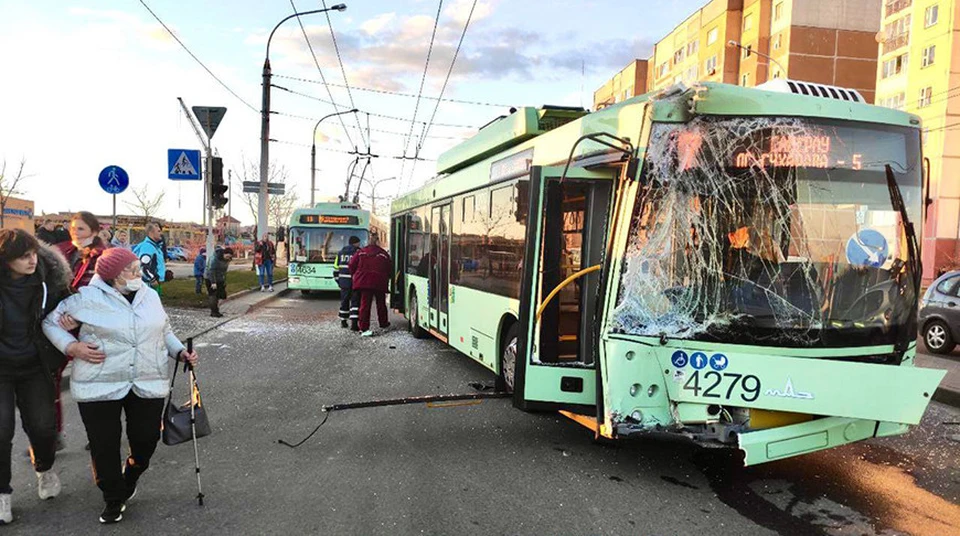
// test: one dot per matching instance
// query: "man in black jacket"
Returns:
(349, 300)
(216, 277)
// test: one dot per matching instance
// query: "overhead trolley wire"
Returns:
(443, 88)
(399, 93)
(322, 78)
(382, 131)
(195, 58)
(352, 153)
(343, 71)
(372, 114)
(423, 80)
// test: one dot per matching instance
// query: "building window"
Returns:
(678, 56)
(777, 41)
(712, 36)
(663, 69)
(925, 96)
(931, 15)
(710, 66)
(692, 73)
(778, 11)
(745, 79)
(928, 55)
(693, 47)
(896, 34)
(894, 66)
(745, 51)
(895, 102)
(896, 6)
(748, 23)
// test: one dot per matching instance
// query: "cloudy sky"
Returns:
(93, 83)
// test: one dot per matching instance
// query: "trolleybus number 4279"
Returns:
(749, 385)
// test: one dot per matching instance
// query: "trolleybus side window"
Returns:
(418, 235)
(489, 245)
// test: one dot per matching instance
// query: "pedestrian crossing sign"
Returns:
(183, 164)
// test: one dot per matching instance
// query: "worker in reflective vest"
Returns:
(349, 300)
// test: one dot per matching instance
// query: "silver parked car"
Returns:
(940, 314)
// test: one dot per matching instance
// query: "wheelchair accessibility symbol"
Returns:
(679, 359)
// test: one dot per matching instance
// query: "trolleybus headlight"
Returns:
(295, 280)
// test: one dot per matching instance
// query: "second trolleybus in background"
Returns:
(316, 236)
(738, 266)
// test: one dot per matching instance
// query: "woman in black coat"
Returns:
(33, 280)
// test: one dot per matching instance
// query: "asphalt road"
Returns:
(477, 469)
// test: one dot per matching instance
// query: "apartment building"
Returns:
(918, 72)
(825, 41)
(630, 81)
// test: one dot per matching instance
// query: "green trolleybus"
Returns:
(734, 265)
(316, 236)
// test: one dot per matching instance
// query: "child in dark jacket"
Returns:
(199, 267)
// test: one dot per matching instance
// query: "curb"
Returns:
(240, 293)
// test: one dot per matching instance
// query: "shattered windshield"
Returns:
(772, 231)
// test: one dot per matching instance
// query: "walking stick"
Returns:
(193, 420)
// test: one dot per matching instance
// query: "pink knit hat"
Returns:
(113, 261)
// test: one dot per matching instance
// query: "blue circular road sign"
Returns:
(698, 360)
(114, 180)
(679, 359)
(867, 248)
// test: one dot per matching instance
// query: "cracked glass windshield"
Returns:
(777, 231)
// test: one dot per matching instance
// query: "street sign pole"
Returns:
(206, 188)
(113, 226)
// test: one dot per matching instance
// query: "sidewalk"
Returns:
(949, 390)
(236, 304)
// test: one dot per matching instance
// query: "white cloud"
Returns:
(374, 25)
(460, 9)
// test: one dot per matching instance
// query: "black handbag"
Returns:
(176, 419)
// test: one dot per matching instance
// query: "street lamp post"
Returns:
(373, 190)
(313, 153)
(758, 53)
(265, 122)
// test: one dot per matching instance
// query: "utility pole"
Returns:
(230, 194)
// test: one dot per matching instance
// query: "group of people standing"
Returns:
(83, 300)
(363, 274)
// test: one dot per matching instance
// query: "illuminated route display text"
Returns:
(323, 219)
(807, 151)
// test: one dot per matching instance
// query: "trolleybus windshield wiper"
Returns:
(913, 256)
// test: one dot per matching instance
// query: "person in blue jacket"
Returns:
(199, 267)
(150, 253)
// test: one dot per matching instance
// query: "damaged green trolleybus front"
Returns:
(737, 266)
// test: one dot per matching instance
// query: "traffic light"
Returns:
(218, 190)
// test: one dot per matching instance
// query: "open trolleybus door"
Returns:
(556, 361)
(398, 254)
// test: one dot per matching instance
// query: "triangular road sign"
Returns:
(183, 166)
(209, 118)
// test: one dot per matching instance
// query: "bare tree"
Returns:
(279, 207)
(145, 202)
(9, 183)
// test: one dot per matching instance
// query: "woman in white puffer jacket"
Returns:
(121, 363)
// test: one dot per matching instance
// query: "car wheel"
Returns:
(937, 338)
(413, 319)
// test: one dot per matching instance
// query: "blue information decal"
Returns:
(867, 248)
(698, 360)
(679, 359)
(718, 362)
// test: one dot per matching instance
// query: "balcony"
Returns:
(896, 41)
(895, 6)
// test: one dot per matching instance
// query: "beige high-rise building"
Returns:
(824, 41)
(918, 72)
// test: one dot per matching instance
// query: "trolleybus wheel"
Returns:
(413, 319)
(937, 338)
(508, 357)
(304, 292)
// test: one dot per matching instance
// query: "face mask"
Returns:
(83, 243)
(133, 285)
